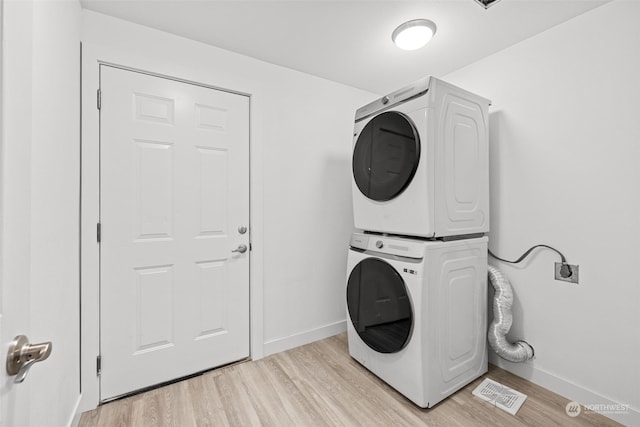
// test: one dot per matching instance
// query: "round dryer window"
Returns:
(379, 305)
(386, 156)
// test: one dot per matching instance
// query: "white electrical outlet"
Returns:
(569, 273)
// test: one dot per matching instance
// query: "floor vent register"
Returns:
(499, 395)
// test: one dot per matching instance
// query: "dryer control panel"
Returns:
(415, 89)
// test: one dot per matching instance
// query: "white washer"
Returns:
(420, 162)
(417, 312)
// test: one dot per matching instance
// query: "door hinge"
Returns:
(99, 99)
(99, 365)
(99, 232)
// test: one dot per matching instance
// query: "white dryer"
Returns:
(420, 162)
(418, 312)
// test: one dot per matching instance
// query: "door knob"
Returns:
(22, 355)
(241, 248)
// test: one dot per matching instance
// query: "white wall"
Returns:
(301, 130)
(40, 211)
(565, 150)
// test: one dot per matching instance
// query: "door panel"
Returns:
(154, 296)
(212, 179)
(174, 190)
(153, 189)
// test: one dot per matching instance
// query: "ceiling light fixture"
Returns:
(413, 34)
(486, 3)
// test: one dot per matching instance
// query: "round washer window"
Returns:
(386, 155)
(379, 305)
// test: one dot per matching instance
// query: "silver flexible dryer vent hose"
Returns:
(518, 351)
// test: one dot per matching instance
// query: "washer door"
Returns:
(379, 305)
(386, 155)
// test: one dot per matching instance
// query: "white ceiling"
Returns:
(350, 41)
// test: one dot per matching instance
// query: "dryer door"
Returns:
(385, 156)
(379, 305)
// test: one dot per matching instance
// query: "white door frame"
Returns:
(92, 57)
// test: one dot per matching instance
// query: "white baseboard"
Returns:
(565, 388)
(302, 338)
(76, 414)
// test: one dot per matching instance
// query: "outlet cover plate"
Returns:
(575, 270)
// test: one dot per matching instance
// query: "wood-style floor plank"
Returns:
(320, 385)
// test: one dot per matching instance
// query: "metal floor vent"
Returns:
(501, 396)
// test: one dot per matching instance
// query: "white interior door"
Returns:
(15, 187)
(39, 201)
(174, 198)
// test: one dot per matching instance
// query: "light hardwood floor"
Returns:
(320, 385)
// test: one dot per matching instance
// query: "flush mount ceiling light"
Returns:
(414, 34)
(486, 3)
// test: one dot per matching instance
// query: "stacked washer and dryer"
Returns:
(417, 272)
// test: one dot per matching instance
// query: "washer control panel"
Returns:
(389, 245)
